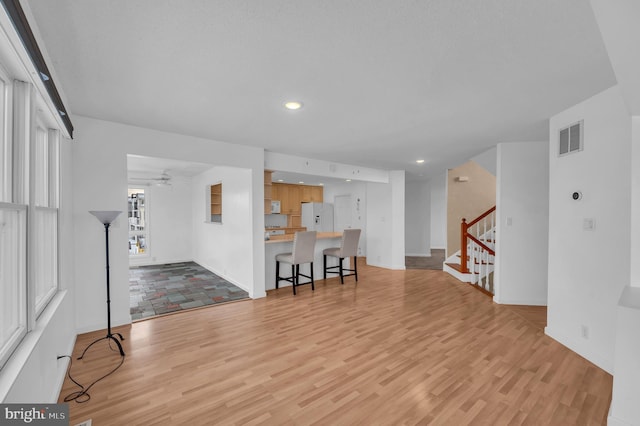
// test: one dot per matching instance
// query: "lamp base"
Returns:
(108, 336)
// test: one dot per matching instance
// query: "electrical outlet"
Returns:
(585, 331)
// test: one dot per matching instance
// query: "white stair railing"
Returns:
(477, 251)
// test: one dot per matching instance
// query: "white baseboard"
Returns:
(501, 301)
(62, 371)
(231, 280)
(148, 262)
(578, 348)
(614, 421)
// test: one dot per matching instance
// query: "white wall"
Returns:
(635, 199)
(221, 247)
(489, 160)
(522, 221)
(169, 223)
(100, 183)
(626, 382)
(438, 185)
(385, 222)
(310, 166)
(418, 219)
(358, 192)
(618, 25)
(588, 269)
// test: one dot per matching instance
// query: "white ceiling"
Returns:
(383, 82)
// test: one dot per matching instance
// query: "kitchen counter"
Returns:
(289, 237)
(284, 244)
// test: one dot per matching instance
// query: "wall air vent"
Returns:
(571, 139)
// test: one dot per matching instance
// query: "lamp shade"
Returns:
(105, 216)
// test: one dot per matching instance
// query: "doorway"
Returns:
(342, 212)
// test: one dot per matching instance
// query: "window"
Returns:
(137, 222)
(13, 277)
(45, 215)
(5, 140)
(29, 201)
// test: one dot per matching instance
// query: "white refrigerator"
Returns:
(317, 217)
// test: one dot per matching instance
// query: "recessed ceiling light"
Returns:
(293, 105)
(301, 182)
(321, 184)
(280, 180)
(347, 180)
(420, 161)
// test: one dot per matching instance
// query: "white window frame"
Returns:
(43, 259)
(145, 232)
(13, 338)
(6, 151)
(35, 197)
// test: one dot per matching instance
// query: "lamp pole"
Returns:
(107, 217)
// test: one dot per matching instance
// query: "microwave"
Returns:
(275, 206)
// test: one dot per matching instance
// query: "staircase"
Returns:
(474, 262)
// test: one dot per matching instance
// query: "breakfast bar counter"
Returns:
(284, 244)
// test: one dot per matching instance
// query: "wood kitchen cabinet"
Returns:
(317, 194)
(268, 192)
(295, 199)
(311, 194)
(305, 194)
(292, 196)
(275, 192)
(285, 199)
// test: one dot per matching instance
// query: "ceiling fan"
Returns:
(163, 180)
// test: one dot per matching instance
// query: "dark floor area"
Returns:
(162, 289)
(422, 262)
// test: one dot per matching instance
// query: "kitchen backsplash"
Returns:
(271, 220)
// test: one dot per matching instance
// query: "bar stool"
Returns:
(348, 248)
(304, 244)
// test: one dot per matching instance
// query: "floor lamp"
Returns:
(106, 217)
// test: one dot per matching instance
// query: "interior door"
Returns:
(341, 213)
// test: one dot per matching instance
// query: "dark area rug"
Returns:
(420, 262)
(162, 289)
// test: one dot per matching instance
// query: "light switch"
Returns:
(509, 221)
(588, 224)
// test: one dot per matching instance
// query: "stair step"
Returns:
(476, 262)
(458, 268)
(455, 266)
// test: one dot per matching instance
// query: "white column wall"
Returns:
(218, 246)
(588, 269)
(522, 222)
(418, 219)
(397, 182)
(438, 199)
(635, 200)
(626, 382)
(100, 183)
(385, 222)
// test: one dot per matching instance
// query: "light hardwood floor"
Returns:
(398, 347)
